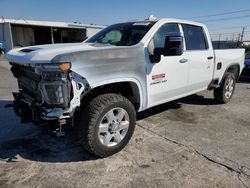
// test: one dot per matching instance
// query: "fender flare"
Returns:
(119, 80)
(228, 67)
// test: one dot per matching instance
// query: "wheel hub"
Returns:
(113, 127)
(229, 88)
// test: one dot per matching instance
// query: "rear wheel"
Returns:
(225, 92)
(106, 124)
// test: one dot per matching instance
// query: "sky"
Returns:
(106, 12)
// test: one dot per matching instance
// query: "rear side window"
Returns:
(194, 37)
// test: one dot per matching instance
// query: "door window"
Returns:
(158, 41)
(165, 30)
(194, 37)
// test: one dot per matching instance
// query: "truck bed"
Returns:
(227, 57)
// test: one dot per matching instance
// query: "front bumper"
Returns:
(26, 111)
(30, 111)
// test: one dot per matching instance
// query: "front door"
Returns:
(167, 79)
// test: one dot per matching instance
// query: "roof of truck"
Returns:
(169, 20)
(180, 21)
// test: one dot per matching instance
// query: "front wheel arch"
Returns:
(131, 89)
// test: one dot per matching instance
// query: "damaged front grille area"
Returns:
(48, 88)
(47, 92)
(27, 81)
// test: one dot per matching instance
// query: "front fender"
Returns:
(131, 80)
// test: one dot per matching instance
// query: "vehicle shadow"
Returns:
(244, 80)
(40, 144)
(198, 99)
(36, 143)
(195, 99)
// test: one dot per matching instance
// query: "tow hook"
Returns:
(59, 131)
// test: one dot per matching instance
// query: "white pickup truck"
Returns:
(98, 86)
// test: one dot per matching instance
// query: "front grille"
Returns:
(52, 88)
(27, 80)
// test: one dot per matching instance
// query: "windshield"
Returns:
(124, 34)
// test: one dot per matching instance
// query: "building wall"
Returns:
(5, 36)
(91, 31)
(246, 43)
(22, 36)
(1, 33)
(18, 35)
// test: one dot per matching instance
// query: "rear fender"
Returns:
(234, 68)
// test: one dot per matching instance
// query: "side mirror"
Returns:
(173, 46)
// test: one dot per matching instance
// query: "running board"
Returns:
(214, 84)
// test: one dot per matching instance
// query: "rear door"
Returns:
(200, 57)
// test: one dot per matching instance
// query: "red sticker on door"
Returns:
(158, 76)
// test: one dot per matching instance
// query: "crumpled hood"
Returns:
(46, 53)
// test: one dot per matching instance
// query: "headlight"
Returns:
(62, 67)
(55, 93)
(55, 84)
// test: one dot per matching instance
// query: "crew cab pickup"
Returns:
(98, 85)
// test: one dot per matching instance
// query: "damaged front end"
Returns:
(47, 92)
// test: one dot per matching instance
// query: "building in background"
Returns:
(246, 43)
(19, 33)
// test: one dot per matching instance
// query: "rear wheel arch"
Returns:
(234, 68)
(224, 93)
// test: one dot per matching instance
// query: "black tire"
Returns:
(91, 116)
(220, 93)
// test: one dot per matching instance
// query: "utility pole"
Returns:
(219, 41)
(238, 42)
(242, 34)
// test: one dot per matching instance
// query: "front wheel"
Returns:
(225, 92)
(106, 124)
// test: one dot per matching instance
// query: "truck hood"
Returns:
(98, 64)
(46, 53)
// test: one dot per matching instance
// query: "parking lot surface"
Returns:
(191, 142)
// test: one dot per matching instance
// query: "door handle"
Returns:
(210, 57)
(183, 60)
